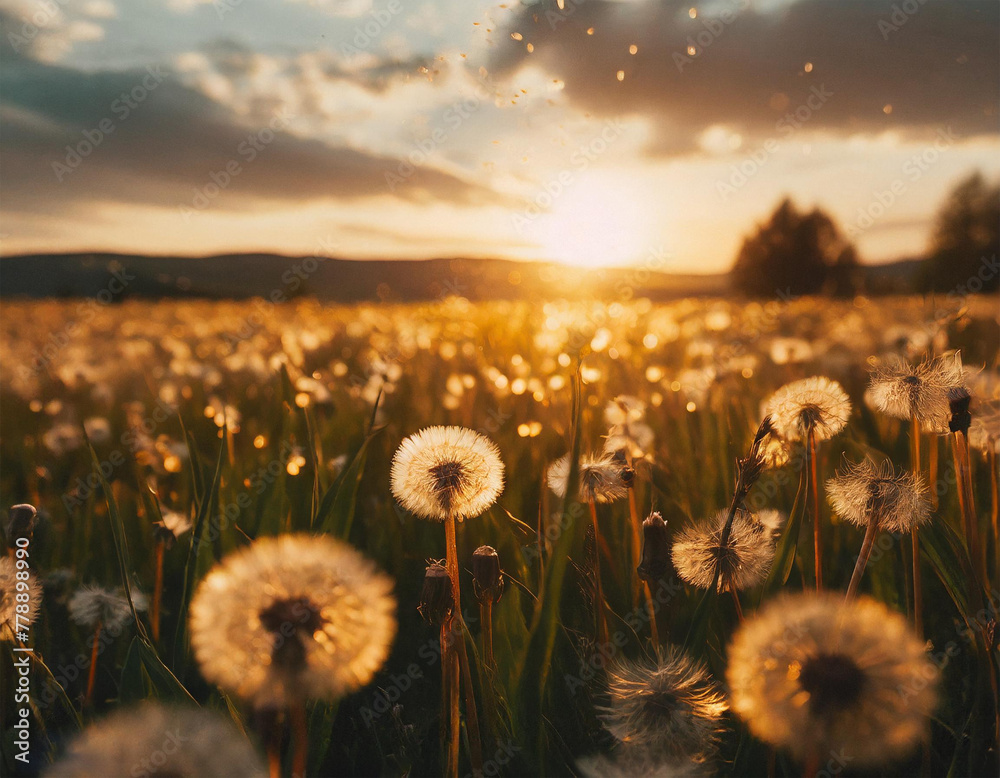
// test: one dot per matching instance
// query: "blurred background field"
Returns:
(262, 419)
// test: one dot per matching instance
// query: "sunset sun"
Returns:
(599, 222)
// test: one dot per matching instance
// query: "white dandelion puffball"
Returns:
(293, 617)
(698, 554)
(818, 404)
(670, 706)
(600, 478)
(92, 606)
(904, 391)
(153, 740)
(447, 471)
(895, 499)
(814, 674)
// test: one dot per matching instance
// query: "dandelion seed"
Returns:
(906, 391)
(816, 675)
(444, 471)
(181, 743)
(897, 499)
(339, 610)
(600, 478)
(814, 404)
(172, 525)
(670, 707)
(700, 558)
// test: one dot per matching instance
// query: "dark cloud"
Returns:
(168, 142)
(937, 66)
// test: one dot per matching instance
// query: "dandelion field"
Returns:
(229, 422)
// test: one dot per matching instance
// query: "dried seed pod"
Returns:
(487, 575)
(23, 519)
(436, 600)
(958, 402)
(655, 548)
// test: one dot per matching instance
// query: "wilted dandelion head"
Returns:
(698, 553)
(444, 471)
(815, 404)
(153, 740)
(814, 674)
(903, 391)
(600, 478)
(292, 617)
(670, 706)
(896, 499)
(92, 606)
(9, 617)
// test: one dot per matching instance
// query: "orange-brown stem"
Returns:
(300, 739)
(92, 675)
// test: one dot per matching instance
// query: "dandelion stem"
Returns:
(918, 594)
(272, 738)
(866, 551)
(300, 738)
(967, 504)
(157, 591)
(814, 498)
(449, 656)
(92, 675)
(636, 540)
(736, 602)
(991, 460)
(602, 624)
(654, 632)
(486, 616)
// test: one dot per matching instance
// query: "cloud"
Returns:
(141, 136)
(747, 69)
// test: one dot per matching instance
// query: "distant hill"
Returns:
(241, 276)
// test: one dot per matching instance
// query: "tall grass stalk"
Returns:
(814, 500)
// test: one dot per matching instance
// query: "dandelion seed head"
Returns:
(444, 471)
(93, 605)
(818, 404)
(743, 563)
(896, 498)
(180, 743)
(290, 618)
(670, 706)
(903, 391)
(814, 674)
(600, 478)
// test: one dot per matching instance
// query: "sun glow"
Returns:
(597, 222)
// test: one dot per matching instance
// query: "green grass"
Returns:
(703, 375)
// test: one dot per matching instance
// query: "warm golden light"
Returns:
(599, 222)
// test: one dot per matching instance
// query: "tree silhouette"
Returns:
(795, 253)
(966, 240)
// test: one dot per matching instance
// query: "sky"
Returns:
(599, 132)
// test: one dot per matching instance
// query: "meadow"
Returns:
(236, 421)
